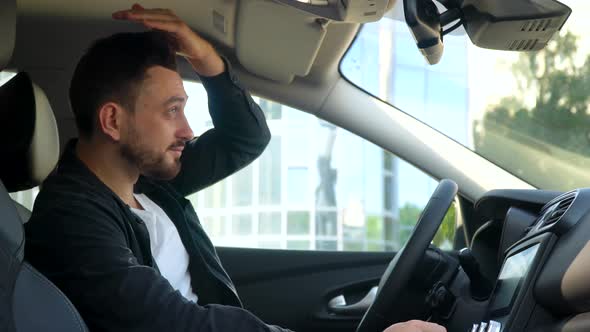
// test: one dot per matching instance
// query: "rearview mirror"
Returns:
(511, 25)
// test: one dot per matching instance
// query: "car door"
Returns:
(300, 289)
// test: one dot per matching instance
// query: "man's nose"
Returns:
(185, 132)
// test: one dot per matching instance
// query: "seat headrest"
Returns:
(7, 30)
(29, 141)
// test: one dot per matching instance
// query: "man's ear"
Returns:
(110, 120)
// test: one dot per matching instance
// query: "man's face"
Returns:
(157, 130)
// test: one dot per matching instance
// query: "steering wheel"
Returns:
(382, 311)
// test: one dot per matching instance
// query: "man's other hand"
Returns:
(199, 52)
(415, 326)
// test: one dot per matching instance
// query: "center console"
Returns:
(511, 302)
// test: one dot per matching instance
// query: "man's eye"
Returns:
(173, 110)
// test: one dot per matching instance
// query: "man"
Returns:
(111, 226)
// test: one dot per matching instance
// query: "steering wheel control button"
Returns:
(441, 301)
(494, 326)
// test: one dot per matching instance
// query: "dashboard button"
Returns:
(494, 326)
(482, 327)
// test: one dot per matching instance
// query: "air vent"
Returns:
(554, 214)
(535, 25)
(523, 45)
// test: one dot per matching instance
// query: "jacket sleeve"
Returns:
(84, 251)
(239, 136)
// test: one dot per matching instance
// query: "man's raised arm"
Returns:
(240, 132)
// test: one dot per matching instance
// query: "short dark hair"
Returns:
(112, 69)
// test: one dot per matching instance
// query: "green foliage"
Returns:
(375, 228)
(409, 215)
(446, 232)
(552, 136)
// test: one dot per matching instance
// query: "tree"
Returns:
(551, 135)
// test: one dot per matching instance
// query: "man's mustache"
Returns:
(178, 144)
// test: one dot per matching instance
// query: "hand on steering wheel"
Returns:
(415, 326)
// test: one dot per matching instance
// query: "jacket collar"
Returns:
(71, 164)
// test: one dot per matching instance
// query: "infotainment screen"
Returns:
(513, 272)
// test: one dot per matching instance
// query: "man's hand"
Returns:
(415, 326)
(199, 52)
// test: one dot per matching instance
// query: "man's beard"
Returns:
(149, 162)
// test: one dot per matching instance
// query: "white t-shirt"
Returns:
(166, 246)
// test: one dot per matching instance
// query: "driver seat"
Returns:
(28, 136)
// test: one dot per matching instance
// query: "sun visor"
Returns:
(7, 30)
(276, 41)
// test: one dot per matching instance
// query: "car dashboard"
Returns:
(545, 253)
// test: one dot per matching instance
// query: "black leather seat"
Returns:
(28, 301)
(29, 147)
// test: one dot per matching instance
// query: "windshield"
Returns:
(526, 112)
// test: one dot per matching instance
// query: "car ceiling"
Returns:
(64, 28)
